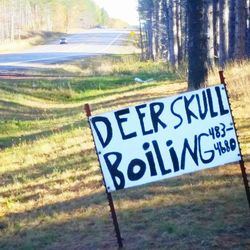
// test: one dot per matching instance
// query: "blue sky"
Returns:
(122, 9)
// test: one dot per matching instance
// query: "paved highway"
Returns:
(88, 43)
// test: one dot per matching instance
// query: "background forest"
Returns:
(17, 17)
(165, 30)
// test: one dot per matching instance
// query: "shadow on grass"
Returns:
(74, 89)
(195, 219)
(71, 162)
(15, 111)
(131, 99)
(10, 141)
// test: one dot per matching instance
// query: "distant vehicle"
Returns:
(63, 40)
(100, 27)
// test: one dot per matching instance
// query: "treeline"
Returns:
(17, 17)
(164, 29)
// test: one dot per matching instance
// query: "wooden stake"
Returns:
(241, 162)
(109, 196)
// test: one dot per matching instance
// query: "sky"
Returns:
(122, 9)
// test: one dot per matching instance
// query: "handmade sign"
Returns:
(165, 138)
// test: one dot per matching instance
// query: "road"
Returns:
(84, 44)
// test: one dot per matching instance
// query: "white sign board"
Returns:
(165, 138)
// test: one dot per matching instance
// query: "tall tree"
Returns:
(157, 28)
(197, 44)
(216, 29)
(223, 34)
(179, 35)
(146, 11)
(172, 35)
(209, 30)
(163, 29)
(240, 29)
(149, 21)
(141, 39)
(231, 25)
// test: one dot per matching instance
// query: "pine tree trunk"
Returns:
(197, 45)
(231, 29)
(216, 30)
(209, 30)
(240, 29)
(150, 54)
(184, 29)
(156, 29)
(163, 29)
(179, 32)
(223, 45)
(141, 40)
(172, 29)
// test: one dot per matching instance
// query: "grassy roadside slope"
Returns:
(51, 195)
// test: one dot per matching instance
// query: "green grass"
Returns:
(31, 109)
(51, 193)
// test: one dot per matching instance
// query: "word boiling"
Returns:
(136, 168)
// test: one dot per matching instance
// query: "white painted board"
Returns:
(165, 138)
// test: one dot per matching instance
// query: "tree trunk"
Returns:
(184, 29)
(156, 29)
(172, 35)
(231, 29)
(209, 30)
(216, 29)
(240, 29)
(223, 45)
(150, 54)
(141, 39)
(197, 45)
(164, 29)
(179, 32)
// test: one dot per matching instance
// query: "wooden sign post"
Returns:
(109, 196)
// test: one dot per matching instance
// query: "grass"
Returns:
(51, 192)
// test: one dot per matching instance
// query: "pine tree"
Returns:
(240, 29)
(223, 34)
(172, 33)
(231, 29)
(197, 44)
(209, 30)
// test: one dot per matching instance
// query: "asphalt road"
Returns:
(88, 43)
